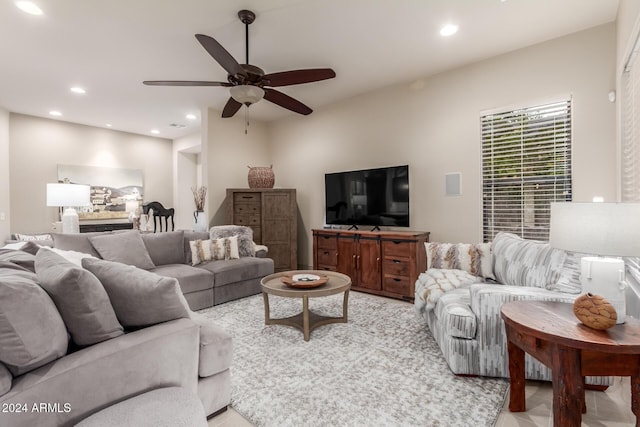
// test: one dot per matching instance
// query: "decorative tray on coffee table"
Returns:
(304, 280)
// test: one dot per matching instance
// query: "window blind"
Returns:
(526, 165)
(630, 148)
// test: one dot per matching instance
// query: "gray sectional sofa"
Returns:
(102, 318)
(169, 254)
(74, 341)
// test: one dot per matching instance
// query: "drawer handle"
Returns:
(247, 197)
(396, 242)
(395, 261)
(396, 280)
(326, 252)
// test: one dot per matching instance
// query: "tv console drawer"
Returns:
(396, 248)
(327, 242)
(396, 267)
(397, 285)
(327, 256)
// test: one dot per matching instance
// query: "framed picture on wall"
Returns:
(115, 192)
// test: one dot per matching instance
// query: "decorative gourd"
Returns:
(595, 311)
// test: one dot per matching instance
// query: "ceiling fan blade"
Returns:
(231, 107)
(183, 83)
(221, 55)
(296, 77)
(286, 101)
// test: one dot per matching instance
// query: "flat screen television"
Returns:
(373, 197)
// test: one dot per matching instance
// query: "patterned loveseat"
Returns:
(460, 295)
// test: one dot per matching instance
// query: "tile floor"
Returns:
(611, 408)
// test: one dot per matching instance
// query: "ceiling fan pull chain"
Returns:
(246, 119)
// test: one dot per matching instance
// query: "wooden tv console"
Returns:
(379, 262)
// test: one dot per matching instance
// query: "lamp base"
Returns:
(605, 277)
(70, 221)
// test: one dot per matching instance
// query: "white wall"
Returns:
(228, 153)
(5, 214)
(187, 173)
(436, 130)
(38, 145)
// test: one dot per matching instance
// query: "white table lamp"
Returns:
(603, 229)
(69, 196)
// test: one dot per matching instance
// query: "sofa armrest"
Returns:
(487, 299)
(100, 375)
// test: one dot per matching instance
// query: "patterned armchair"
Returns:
(460, 295)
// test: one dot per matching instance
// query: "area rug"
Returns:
(382, 368)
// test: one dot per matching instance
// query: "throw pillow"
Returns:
(433, 283)
(21, 258)
(126, 247)
(520, 262)
(139, 297)
(245, 237)
(226, 248)
(32, 237)
(201, 251)
(476, 259)
(76, 242)
(165, 248)
(569, 280)
(32, 332)
(80, 298)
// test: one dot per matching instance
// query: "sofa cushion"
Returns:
(216, 347)
(76, 242)
(476, 259)
(245, 237)
(237, 270)
(19, 257)
(71, 256)
(139, 297)
(5, 379)
(191, 279)
(202, 250)
(519, 262)
(32, 332)
(80, 298)
(453, 311)
(165, 248)
(126, 247)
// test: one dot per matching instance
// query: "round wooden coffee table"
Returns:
(307, 320)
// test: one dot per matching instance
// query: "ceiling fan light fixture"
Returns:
(247, 94)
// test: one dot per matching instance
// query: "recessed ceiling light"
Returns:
(191, 116)
(55, 113)
(28, 7)
(155, 131)
(448, 30)
(77, 89)
(108, 125)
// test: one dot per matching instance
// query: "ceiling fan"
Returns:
(248, 83)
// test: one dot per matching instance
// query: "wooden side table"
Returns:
(552, 334)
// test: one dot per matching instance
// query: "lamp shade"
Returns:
(608, 229)
(246, 94)
(68, 195)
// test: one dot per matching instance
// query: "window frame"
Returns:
(548, 150)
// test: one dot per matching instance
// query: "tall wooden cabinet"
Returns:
(379, 262)
(272, 215)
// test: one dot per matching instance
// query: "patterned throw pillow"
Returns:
(201, 251)
(214, 249)
(520, 262)
(476, 259)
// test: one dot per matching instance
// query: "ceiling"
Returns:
(110, 47)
